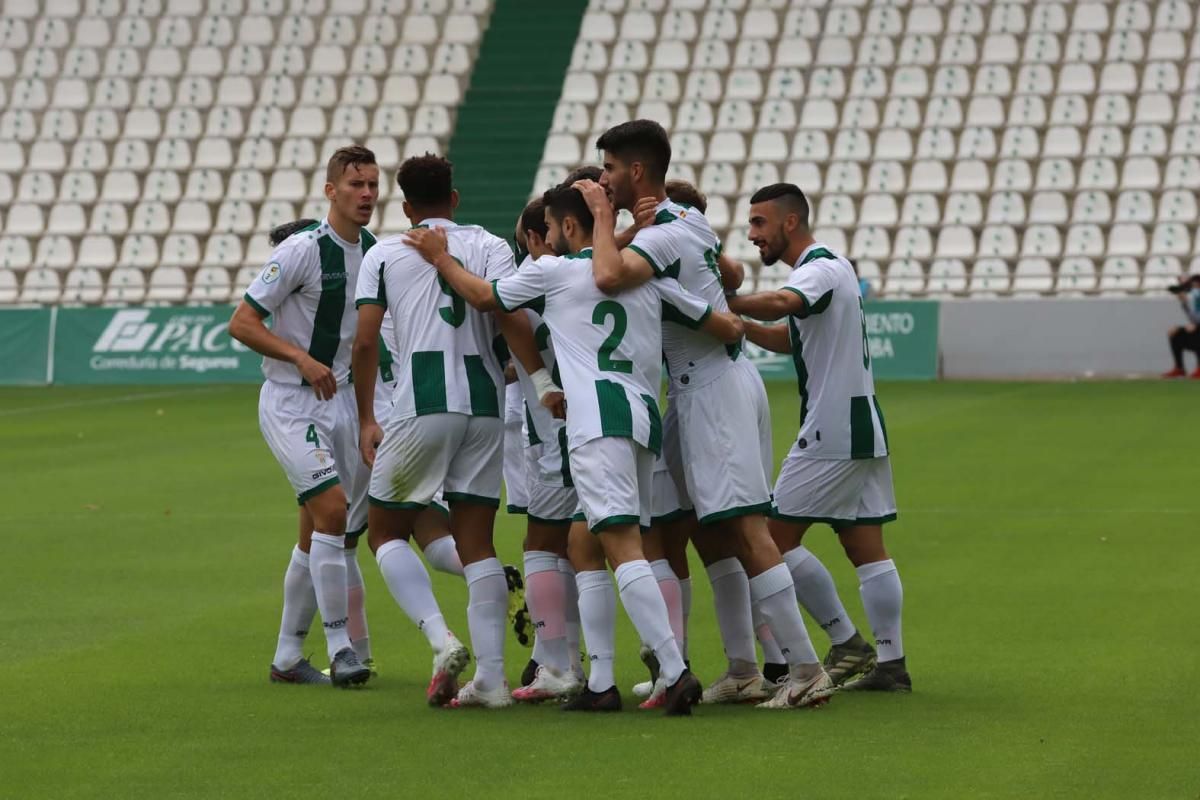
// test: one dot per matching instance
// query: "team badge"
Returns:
(271, 273)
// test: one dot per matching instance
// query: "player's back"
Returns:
(444, 361)
(681, 244)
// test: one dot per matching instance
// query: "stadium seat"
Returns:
(125, 286)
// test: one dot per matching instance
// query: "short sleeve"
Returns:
(681, 306)
(283, 274)
(500, 262)
(815, 282)
(523, 289)
(656, 243)
(370, 289)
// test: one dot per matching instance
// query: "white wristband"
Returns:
(543, 383)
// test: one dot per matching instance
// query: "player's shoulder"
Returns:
(820, 256)
(299, 249)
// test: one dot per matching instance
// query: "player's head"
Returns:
(778, 218)
(532, 229)
(428, 185)
(588, 172)
(636, 157)
(569, 222)
(352, 184)
(685, 194)
(281, 232)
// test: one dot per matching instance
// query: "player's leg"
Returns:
(409, 468)
(431, 532)
(546, 597)
(299, 608)
(879, 582)
(597, 615)
(356, 476)
(472, 488)
(1175, 338)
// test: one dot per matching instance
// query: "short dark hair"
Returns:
(789, 194)
(641, 140)
(533, 218)
(588, 172)
(564, 201)
(345, 157)
(686, 194)
(281, 232)
(427, 181)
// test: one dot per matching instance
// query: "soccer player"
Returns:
(308, 424)
(444, 430)
(717, 432)
(838, 471)
(608, 350)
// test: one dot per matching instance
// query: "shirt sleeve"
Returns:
(657, 245)
(284, 273)
(370, 289)
(815, 282)
(523, 289)
(500, 262)
(681, 306)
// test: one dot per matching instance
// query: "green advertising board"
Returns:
(173, 344)
(25, 335)
(902, 336)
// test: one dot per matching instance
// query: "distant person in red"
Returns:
(1186, 337)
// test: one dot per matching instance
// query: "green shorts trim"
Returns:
(436, 506)
(612, 522)
(393, 505)
(357, 533)
(510, 508)
(671, 516)
(309, 494)
(579, 517)
(833, 522)
(545, 521)
(739, 511)
(473, 499)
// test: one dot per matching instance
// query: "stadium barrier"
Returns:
(191, 344)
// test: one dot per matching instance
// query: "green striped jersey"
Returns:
(537, 423)
(442, 348)
(681, 244)
(608, 348)
(839, 415)
(307, 287)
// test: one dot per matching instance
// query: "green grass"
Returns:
(1047, 541)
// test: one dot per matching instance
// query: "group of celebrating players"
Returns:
(468, 365)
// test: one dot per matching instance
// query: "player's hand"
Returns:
(643, 213)
(318, 376)
(429, 242)
(557, 403)
(595, 197)
(510, 373)
(369, 437)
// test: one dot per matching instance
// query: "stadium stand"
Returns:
(1025, 147)
(147, 146)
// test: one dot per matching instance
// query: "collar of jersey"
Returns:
(804, 256)
(435, 222)
(333, 235)
(584, 253)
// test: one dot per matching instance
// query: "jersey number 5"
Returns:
(600, 314)
(455, 313)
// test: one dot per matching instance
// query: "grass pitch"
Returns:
(1047, 542)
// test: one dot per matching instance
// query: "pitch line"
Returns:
(127, 398)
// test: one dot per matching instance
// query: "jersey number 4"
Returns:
(600, 314)
(311, 436)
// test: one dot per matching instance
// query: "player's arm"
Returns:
(613, 268)
(724, 327)
(643, 216)
(768, 306)
(769, 337)
(681, 307)
(431, 244)
(518, 333)
(732, 273)
(248, 323)
(364, 365)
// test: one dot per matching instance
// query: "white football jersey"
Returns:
(444, 354)
(537, 423)
(681, 244)
(308, 287)
(608, 347)
(839, 415)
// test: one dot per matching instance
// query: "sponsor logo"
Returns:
(145, 340)
(883, 641)
(127, 331)
(826, 626)
(336, 624)
(322, 473)
(537, 625)
(271, 272)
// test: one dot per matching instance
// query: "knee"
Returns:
(1174, 332)
(328, 513)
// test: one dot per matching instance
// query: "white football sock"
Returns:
(442, 555)
(409, 584)
(731, 597)
(299, 605)
(545, 596)
(672, 595)
(775, 598)
(818, 595)
(766, 640)
(571, 612)
(487, 607)
(327, 565)
(644, 604)
(598, 617)
(685, 597)
(360, 637)
(883, 599)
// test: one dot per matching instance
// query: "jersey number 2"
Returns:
(600, 314)
(455, 313)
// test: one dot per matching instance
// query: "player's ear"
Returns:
(330, 191)
(408, 210)
(453, 198)
(637, 170)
